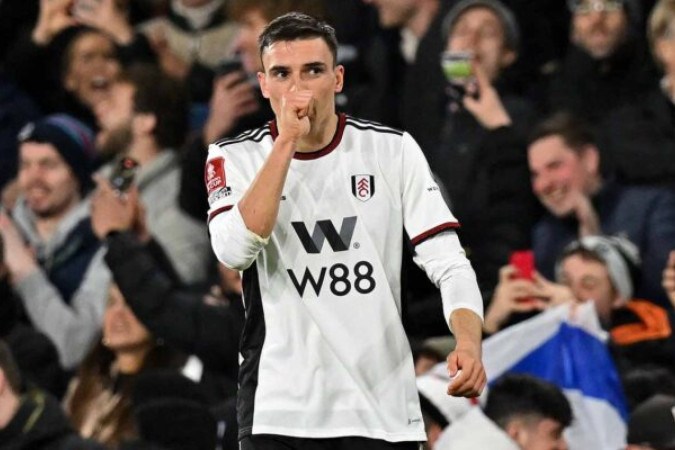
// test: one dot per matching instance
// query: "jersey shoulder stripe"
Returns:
(254, 135)
(365, 125)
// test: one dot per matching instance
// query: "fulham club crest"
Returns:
(363, 187)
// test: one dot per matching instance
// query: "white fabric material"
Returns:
(198, 17)
(335, 359)
(234, 244)
(444, 260)
(474, 431)
(435, 388)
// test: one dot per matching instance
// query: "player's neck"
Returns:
(320, 134)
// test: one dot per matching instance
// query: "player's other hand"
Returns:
(296, 111)
(467, 375)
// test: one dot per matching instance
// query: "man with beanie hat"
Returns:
(480, 153)
(55, 261)
(607, 64)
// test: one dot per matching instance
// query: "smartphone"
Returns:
(523, 261)
(123, 173)
(228, 66)
(457, 67)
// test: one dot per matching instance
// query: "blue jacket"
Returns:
(645, 215)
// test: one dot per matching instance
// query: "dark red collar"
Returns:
(304, 156)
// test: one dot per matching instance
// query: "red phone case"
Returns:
(523, 260)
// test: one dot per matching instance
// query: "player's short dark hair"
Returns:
(516, 396)
(10, 368)
(575, 132)
(295, 26)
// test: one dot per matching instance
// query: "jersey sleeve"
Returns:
(425, 212)
(233, 244)
(224, 185)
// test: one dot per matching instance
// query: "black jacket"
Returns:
(592, 88)
(40, 423)
(179, 317)
(638, 141)
(487, 178)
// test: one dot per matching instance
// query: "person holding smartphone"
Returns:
(480, 153)
(54, 260)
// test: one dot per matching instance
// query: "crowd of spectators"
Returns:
(118, 324)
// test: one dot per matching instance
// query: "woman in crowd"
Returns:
(99, 398)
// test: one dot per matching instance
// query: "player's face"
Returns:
(544, 434)
(121, 329)
(479, 30)
(559, 174)
(46, 180)
(600, 29)
(394, 13)
(299, 65)
(589, 280)
(92, 68)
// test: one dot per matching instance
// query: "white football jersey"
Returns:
(324, 351)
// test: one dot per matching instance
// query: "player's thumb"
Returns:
(453, 364)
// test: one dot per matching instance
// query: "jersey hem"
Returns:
(413, 436)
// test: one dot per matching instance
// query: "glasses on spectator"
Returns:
(589, 6)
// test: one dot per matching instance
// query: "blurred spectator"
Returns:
(145, 118)
(88, 58)
(54, 260)
(607, 64)
(237, 104)
(652, 425)
(602, 270)
(16, 109)
(191, 40)
(481, 154)
(669, 278)
(170, 411)
(33, 352)
(521, 413)
(208, 327)
(99, 398)
(565, 164)
(415, 94)
(640, 137)
(33, 420)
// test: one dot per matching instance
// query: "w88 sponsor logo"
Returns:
(341, 283)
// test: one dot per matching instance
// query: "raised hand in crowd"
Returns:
(19, 259)
(106, 16)
(587, 216)
(512, 295)
(233, 98)
(483, 101)
(115, 211)
(53, 18)
(172, 64)
(669, 278)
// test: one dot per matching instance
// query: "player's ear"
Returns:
(339, 77)
(262, 80)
